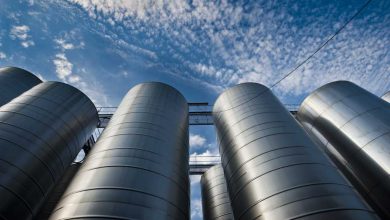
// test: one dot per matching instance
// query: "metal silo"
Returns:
(273, 170)
(215, 197)
(386, 96)
(41, 132)
(353, 126)
(55, 194)
(138, 168)
(14, 81)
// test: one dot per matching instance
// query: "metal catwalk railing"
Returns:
(199, 163)
(200, 113)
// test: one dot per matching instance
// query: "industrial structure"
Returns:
(353, 127)
(273, 170)
(386, 96)
(137, 162)
(138, 168)
(215, 196)
(14, 81)
(41, 132)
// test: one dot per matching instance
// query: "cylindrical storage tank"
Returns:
(14, 81)
(386, 96)
(353, 126)
(41, 132)
(215, 197)
(138, 168)
(55, 194)
(272, 168)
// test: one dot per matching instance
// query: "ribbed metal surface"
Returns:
(273, 170)
(14, 81)
(386, 96)
(353, 125)
(41, 132)
(138, 168)
(215, 197)
(56, 193)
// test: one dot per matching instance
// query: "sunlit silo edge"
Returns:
(353, 127)
(273, 170)
(41, 132)
(215, 197)
(14, 81)
(138, 169)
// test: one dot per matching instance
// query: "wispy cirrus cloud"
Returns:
(223, 43)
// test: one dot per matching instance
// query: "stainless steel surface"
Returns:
(215, 197)
(353, 126)
(138, 168)
(14, 81)
(273, 170)
(41, 132)
(386, 96)
(55, 194)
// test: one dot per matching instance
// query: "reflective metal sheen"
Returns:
(55, 194)
(353, 126)
(215, 197)
(14, 81)
(386, 96)
(138, 168)
(41, 132)
(272, 168)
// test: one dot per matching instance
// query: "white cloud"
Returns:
(197, 140)
(92, 88)
(28, 43)
(63, 67)
(22, 33)
(210, 42)
(64, 44)
(196, 209)
(2, 55)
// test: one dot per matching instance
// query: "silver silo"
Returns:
(353, 126)
(58, 190)
(14, 81)
(386, 96)
(138, 168)
(272, 168)
(41, 132)
(215, 197)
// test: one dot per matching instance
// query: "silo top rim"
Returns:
(21, 71)
(325, 86)
(160, 83)
(78, 90)
(235, 87)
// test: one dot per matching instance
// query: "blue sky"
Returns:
(200, 47)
